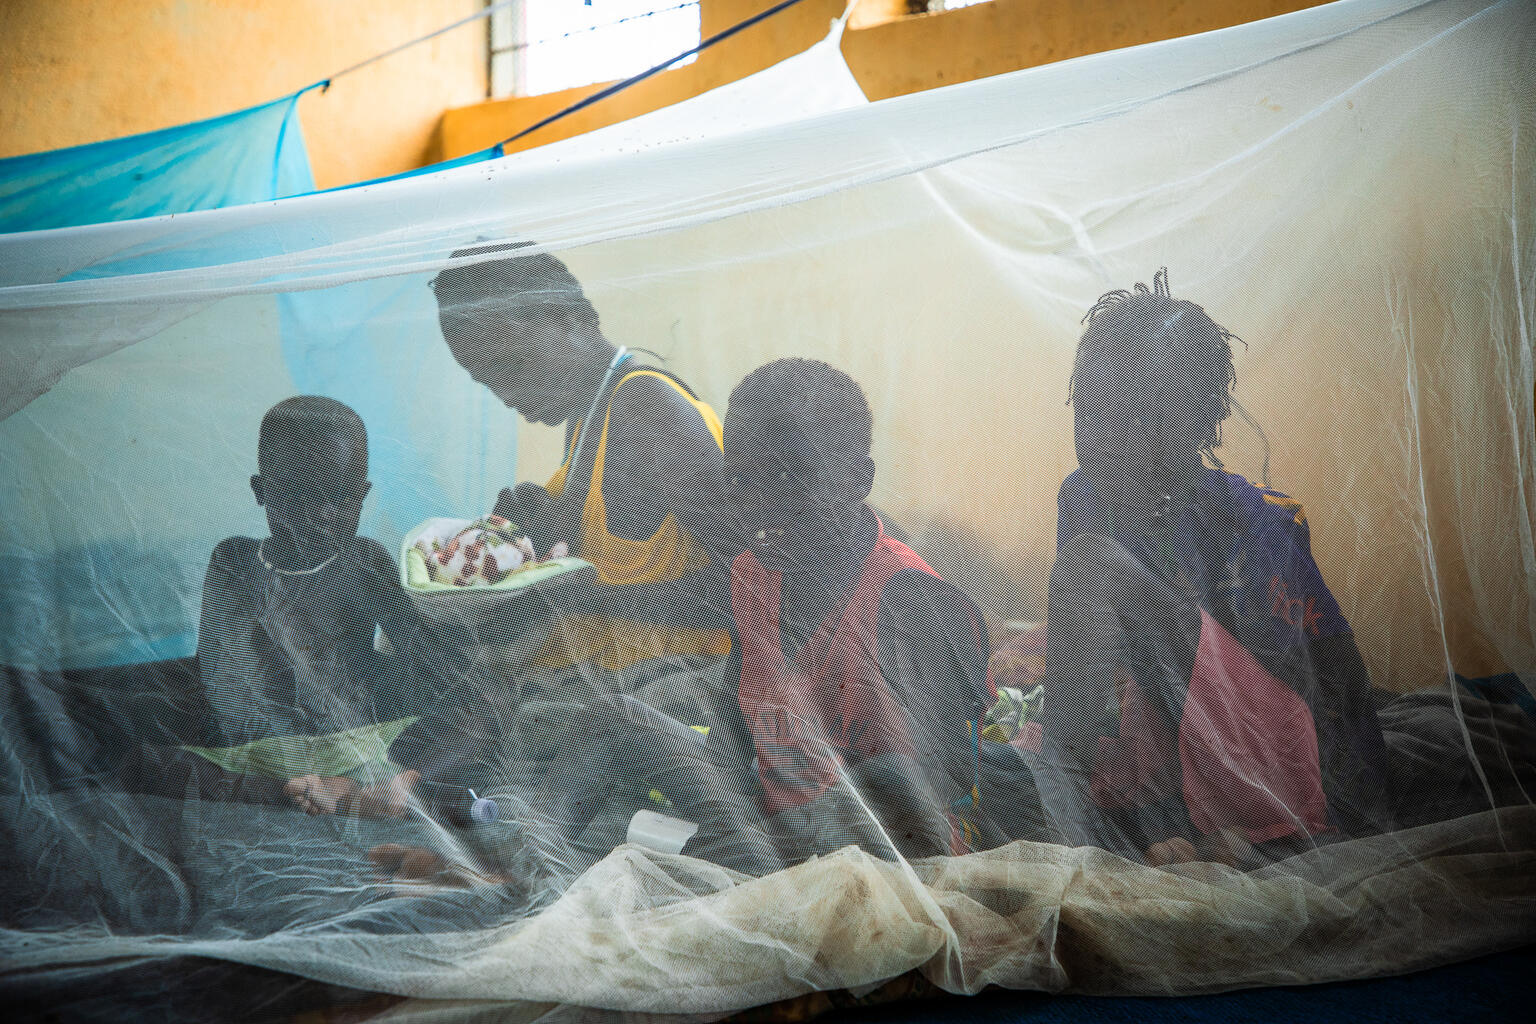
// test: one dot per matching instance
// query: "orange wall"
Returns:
(926, 50)
(78, 71)
(889, 55)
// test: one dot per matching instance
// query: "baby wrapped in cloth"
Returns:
(482, 553)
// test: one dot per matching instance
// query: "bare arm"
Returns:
(545, 518)
(661, 459)
(229, 648)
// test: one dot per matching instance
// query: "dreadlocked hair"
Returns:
(1127, 327)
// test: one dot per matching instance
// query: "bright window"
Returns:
(540, 46)
(935, 6)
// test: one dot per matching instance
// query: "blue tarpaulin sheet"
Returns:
(350, 341)
(245, 157)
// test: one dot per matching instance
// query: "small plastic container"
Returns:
(660, 832)
(482, 809)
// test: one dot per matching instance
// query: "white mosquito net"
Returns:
(675, 580)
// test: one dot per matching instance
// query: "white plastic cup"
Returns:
(659, 832)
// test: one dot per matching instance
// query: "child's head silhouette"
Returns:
(312, 461)
(1150, 388)
(797, 458)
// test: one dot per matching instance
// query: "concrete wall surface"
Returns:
(80, 71)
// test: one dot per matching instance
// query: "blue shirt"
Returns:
(1244, 553)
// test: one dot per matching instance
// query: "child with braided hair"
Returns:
(1204, 693)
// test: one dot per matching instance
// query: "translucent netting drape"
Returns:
(675, 580)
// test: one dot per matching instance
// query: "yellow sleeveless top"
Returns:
(614, 644)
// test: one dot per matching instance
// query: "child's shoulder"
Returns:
(647, 390)
(366, 558)
(366, 549)
(1261, 508)
(1073, 489)
(1264, 506)
(235, 552)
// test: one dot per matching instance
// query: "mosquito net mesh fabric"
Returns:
(676, 581)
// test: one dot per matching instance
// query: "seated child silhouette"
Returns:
(851, 657)
(295, 640)
(856, 678)
(1203, 692)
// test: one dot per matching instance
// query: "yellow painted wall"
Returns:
(907, 55)
(888, 54)
(79, 71)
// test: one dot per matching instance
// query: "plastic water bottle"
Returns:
(482, 809)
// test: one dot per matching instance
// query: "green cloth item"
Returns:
(1013, 708)
(355, 752)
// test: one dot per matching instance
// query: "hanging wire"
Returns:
(619, 87)
(594, 28)
(325, 83)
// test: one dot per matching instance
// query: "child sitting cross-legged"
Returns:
(305, 696)
(1204, 697)
(857, 676)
